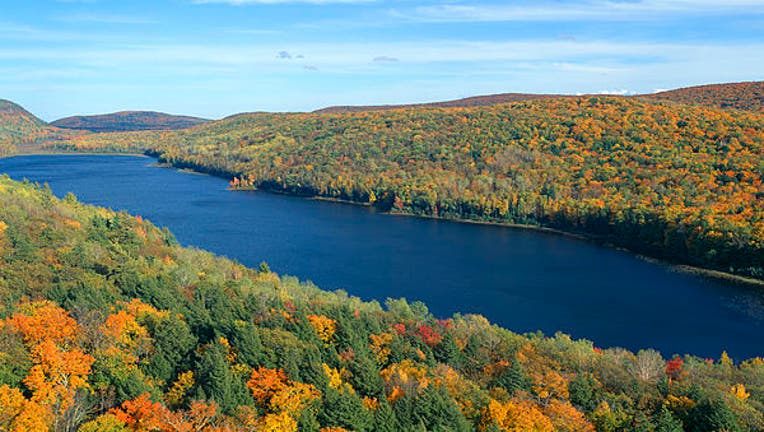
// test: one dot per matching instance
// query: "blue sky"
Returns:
(218, 57)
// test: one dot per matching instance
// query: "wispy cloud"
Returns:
(24, 32)
(104, 19)
(384, 59)
(567, 56)
(275, 2)
(606, 10)
(621, 92)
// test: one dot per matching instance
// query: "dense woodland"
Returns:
(679, 182)
(742, 96)
(106, 324)
(474, 101)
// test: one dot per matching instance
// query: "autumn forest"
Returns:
(108, 324)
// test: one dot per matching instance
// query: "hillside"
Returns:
(743, 96)
(128, 121)
(16, 124)
(20, 130)
(747, 96)
(474, 101)
(106, 324)
(677, 182)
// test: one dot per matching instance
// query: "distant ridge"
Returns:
(747, 96)
(128, 121)
(473, 101)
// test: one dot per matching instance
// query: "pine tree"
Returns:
(345, 409)
(384, 419)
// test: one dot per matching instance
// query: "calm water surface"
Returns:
(522, 280)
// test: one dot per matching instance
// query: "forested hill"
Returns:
(106, 324)
(679, 182)
(473, 101)
(128, 121)
(14, 115)
(743, 96)
(18, 127)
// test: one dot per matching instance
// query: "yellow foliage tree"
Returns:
(177, 393)
(281, 422)
(740, 393)
(405, 377)
(380, 346)
(514, 416)
(324, 327)
(566, 418)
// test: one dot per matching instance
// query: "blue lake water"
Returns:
(523, 280)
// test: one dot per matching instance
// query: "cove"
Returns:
(523, 280)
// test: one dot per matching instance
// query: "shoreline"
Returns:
(682, 268)
(64, 153)
(717, 275)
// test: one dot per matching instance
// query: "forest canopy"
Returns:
(107, 324)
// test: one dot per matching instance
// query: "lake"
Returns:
(523, 280)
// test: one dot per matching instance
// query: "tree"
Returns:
(666, 422)
(584, 392)
(384, 418)
(104, 423)
(647, 366)
(674, 368)
(436, 410)
(345, 409)
(711, 415)
(217, 381)
(512, 379)
(141, 414)
(514, 416)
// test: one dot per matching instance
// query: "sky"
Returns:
(213, 58)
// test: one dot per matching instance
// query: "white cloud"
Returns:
(594, 56)
(622, 92)
(607, 10)
(274, 2)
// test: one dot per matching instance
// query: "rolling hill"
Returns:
(128, 121)
(20, 128)
(747, 96)
(473, 101)
(743, 96)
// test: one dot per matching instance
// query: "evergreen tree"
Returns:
(512, 379)
(173, 343)
(245, 337)
(366, 379)
(448, 352)
(436, 410)
(584, 392)
(384, 418)
(712, 416)
(308, 421)
(666, 422)
(346, 410)
(217, 381)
